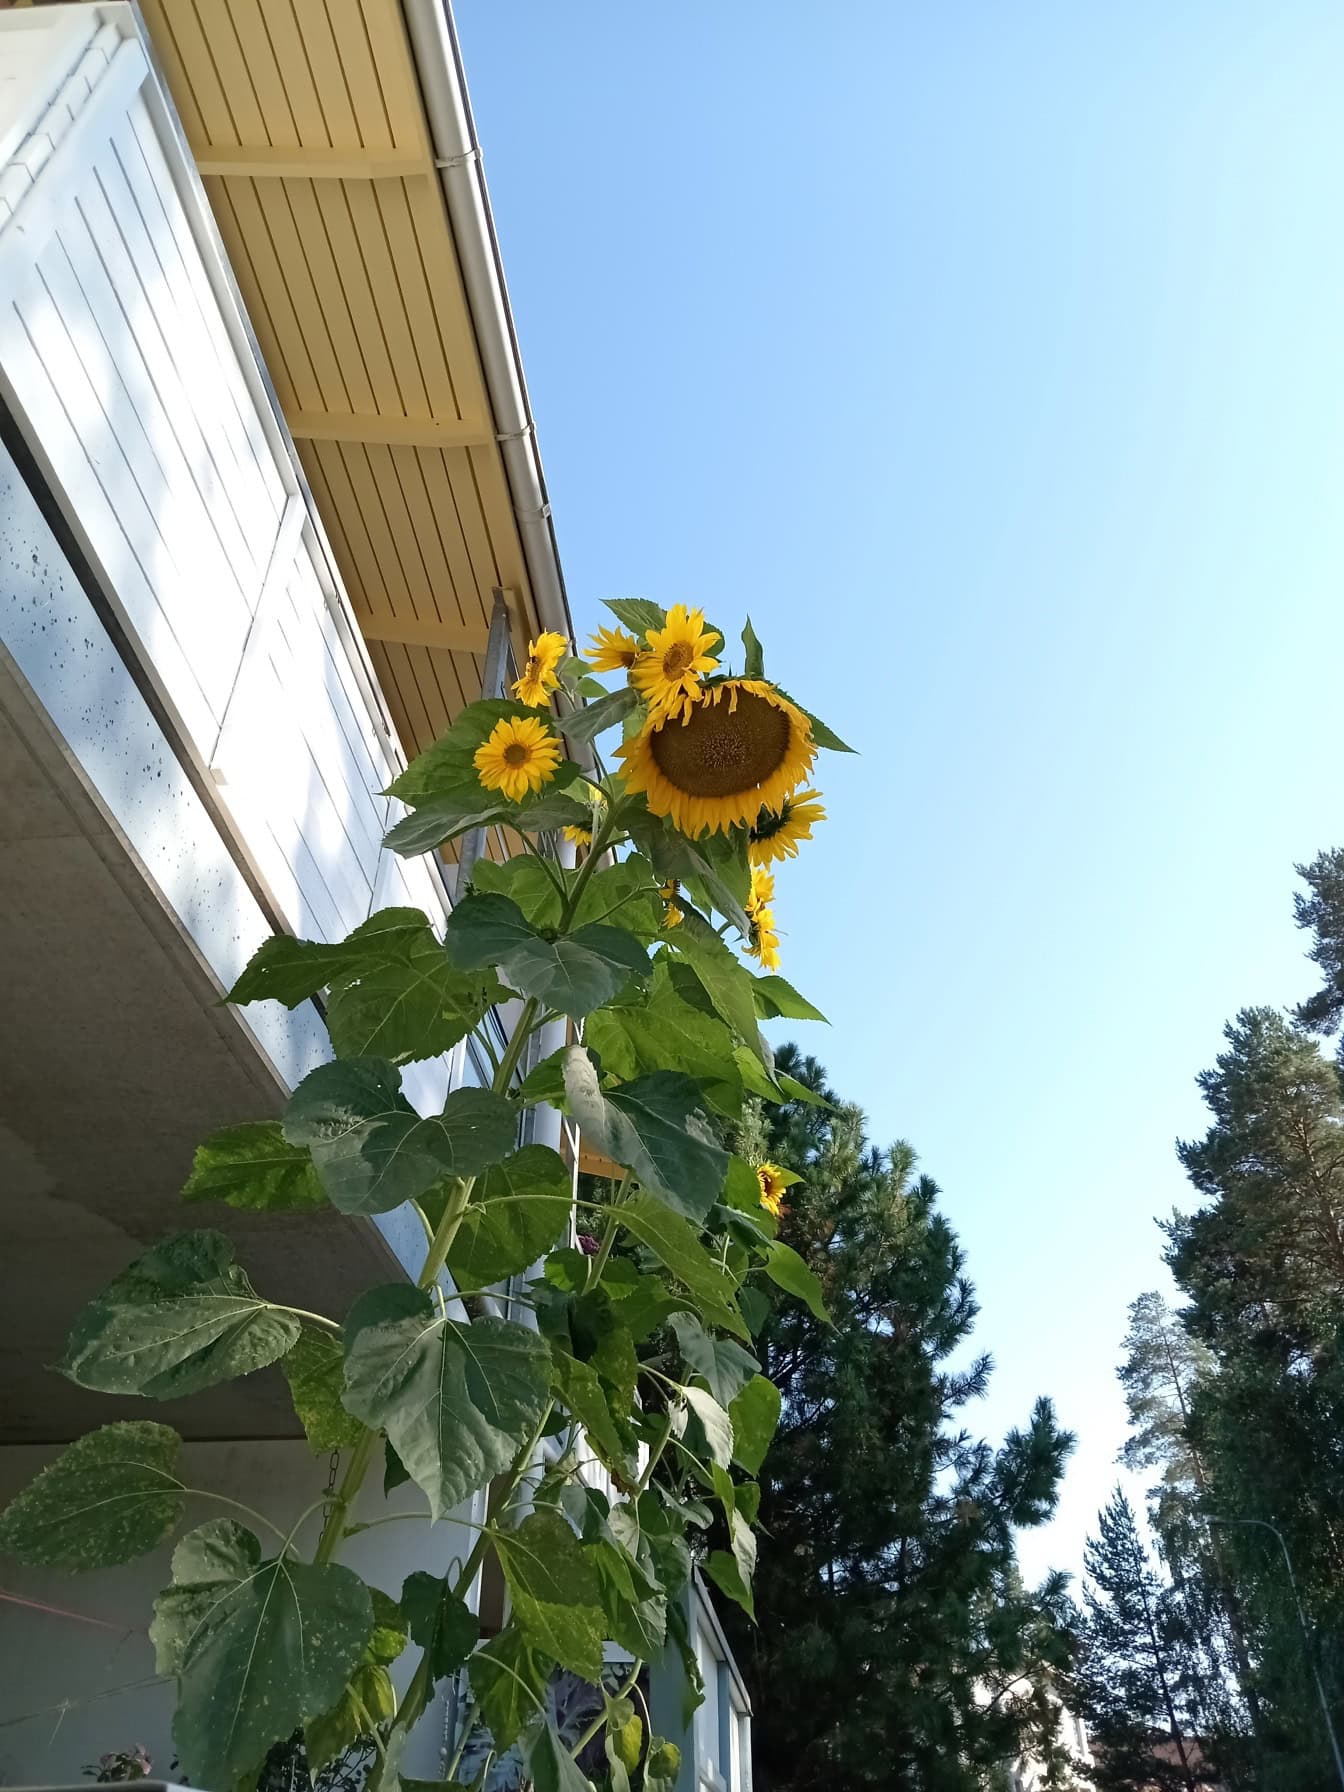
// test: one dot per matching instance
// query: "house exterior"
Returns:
(271, 515)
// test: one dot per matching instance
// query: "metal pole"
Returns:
(1264, 1525)
(492, 685)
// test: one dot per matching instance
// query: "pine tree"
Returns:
(1134, 1679)
(1323, 912)
(896, 1647)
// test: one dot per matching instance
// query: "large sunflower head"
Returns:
(739, 748)
(539, 678)
(775, 833)
(519, 755)
(668, 675)
(773, 1184)
(612, 650)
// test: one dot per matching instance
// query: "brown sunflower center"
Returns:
(677, 658)
(517, 754)
(720, 750)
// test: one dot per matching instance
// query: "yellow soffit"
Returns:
(308, 128)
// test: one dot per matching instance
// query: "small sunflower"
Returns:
(740, 748)
(668, 675)
(539, 680)
(672, 915)
(765, 938)
(762, 892)
(612, 650)
(771, 1179)
(520, 755)
(775, 834)
(577, 836)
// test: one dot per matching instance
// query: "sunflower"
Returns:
(740, 748)
(771, 1179)
(668, 675)
(539, 680)
(520, 755)
(672, 915)
(765, 938)
(762, 892)
(612, 650)
(775, 833)
(577, 836)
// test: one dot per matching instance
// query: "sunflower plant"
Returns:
(639, 1294)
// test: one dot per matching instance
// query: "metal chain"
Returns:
(333, 1469)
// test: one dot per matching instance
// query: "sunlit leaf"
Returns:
(253, 1166)
(554, 1592)
(110, 1496)
(724, 1366)
(655, 1126)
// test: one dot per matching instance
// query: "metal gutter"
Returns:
(457, 152)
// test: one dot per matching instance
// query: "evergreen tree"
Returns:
(896, 1646)
(1323, 913)
(1135, 1676)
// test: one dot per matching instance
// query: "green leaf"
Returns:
(431, 824)
(581, 1391)
(181, 1318)
(390, 1631)
(724, 1570)
(253, 1167)
(555, 1592)
(740, 1505)
(606, 712)
(546, 1081)
(110, 1496)
(508, 1679)
(724, 1366)
(755, 1415)
(638, 614)
(714, 1422)
(662, 1768)
(726, 981)
(447, 768)
(664, 1032)
(551, 1765)
(754, 665)
(677, 1245)
(442, 1625)
(824, 736)
(369, 1699)
(575, 973)
(654, 1126)
(457, 1401)
(674, 857)
(755, 1305)
(777, 999)
(413, 1007)
(623, 895)
(288, 970)
(632, 1598)
(314, 1369)
(258, 1647)
(787, 1270)
(622, 1742)
(525, 882)
(793, 1090)
(373, 1151)
(518, 1210)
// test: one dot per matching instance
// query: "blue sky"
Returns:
(993, 358)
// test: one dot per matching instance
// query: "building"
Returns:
(271, 514)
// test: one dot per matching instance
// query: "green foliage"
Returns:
(110, 1496)
(631, 1345)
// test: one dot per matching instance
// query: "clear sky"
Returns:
(993, 357)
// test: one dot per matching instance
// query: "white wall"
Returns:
(49, 1657)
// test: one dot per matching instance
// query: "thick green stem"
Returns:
(346, 1494)
(601, 1717)
(446, 1231)
(655, 1455)
(600, 841)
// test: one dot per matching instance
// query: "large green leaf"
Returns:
(677, 1245)
(111, 1496)
(725, 979)
(442, 1625)
(369, 1700)
(575, 973)
(606, 712)
(631, 1595)
(715, 1424)
(655, 1127)
(181, 1318)
(787, 1270)
(447, 770)
(557, 1602)
(664, 1032)
(517, 1212)
(662, 1765)
(258, 1647)
(288, 970)
(552, 1767)
(416, 1005)
(580, 1389)
(315, 1371)
(253, 1166)
(373, 1151)
(755, 1415)
(508, 1678)
(675, 857)
(726, 1573)
(624, 895)
(526, 882)
(777, 999)
(443, 818)
(724, 1366)
(457, 1401)
(740, 1506)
